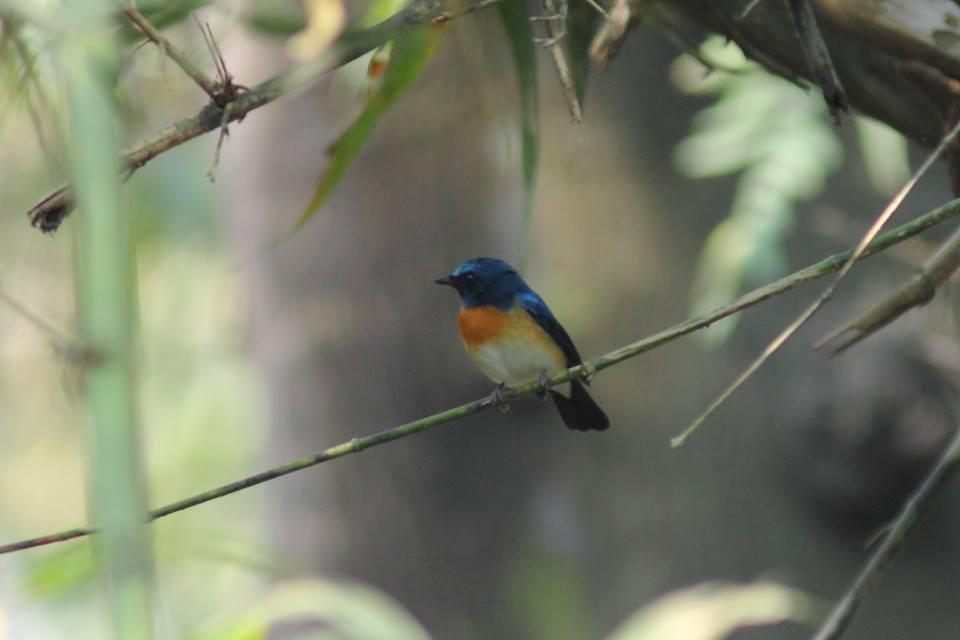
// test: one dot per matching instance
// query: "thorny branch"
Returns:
(796, 279)
(555, 24)
(50, 211)
(203, 81)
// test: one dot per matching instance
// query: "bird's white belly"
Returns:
(516, 362)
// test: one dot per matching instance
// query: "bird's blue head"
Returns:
(485, 282)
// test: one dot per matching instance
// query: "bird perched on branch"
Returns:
(511, 334)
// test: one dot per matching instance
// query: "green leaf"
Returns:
(582, 24)
(713, 611)
(284, 19)
(61, 571)
(321, 609)
(777, 141)
(411, 50)
(515, 17)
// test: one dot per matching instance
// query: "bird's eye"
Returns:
(470, 278)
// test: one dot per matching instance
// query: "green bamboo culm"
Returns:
(107, 315)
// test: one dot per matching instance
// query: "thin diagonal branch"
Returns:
(893, 543)
(818, 270)
(916, 292)
(827, 294)
(50, 211)
(203, 81)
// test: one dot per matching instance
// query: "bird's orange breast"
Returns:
(485, 326)
(479, 325)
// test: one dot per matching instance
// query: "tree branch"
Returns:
(791, 329)
(893, 543)
(818, 270)
(916, 292)
(50, 211)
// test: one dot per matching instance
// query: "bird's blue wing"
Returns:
(540, 312)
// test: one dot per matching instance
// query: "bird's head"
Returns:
(485, 281)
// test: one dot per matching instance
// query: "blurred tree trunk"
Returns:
(354, 337)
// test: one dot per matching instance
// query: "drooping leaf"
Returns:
(411, 50)
(320, 609)
(712, 611)
(515, 17)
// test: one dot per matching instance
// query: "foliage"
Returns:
(515, 16)
(409, 54)
(777, 141)
(714, 611)
(324, 609)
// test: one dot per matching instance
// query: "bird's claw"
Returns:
(587, 371)
(498, 399)
(543, 385)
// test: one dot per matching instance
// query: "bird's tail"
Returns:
(579, 411)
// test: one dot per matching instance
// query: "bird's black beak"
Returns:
(444, 280)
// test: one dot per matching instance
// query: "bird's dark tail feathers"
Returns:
(579, 411)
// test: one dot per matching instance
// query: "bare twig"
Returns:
(214, 49)
(894, 542)
(555, 23)
(917, 292)
(179, 57)
(818, 270)
(824, 297)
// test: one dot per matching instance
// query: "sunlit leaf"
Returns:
(411, 50)
(884, 153)
(714, 611)
(325, 20)
(515, 16)
(327, 609)
(777, 140)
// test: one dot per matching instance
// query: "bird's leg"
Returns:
(498, 400)
(543, 385)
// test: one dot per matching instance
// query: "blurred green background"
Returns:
(677, 192)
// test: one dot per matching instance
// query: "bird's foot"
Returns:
(498, 399)
(543, 386)
(587, 371)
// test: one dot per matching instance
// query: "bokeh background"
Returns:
(499, 525)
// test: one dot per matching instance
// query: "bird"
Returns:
(513, 337)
